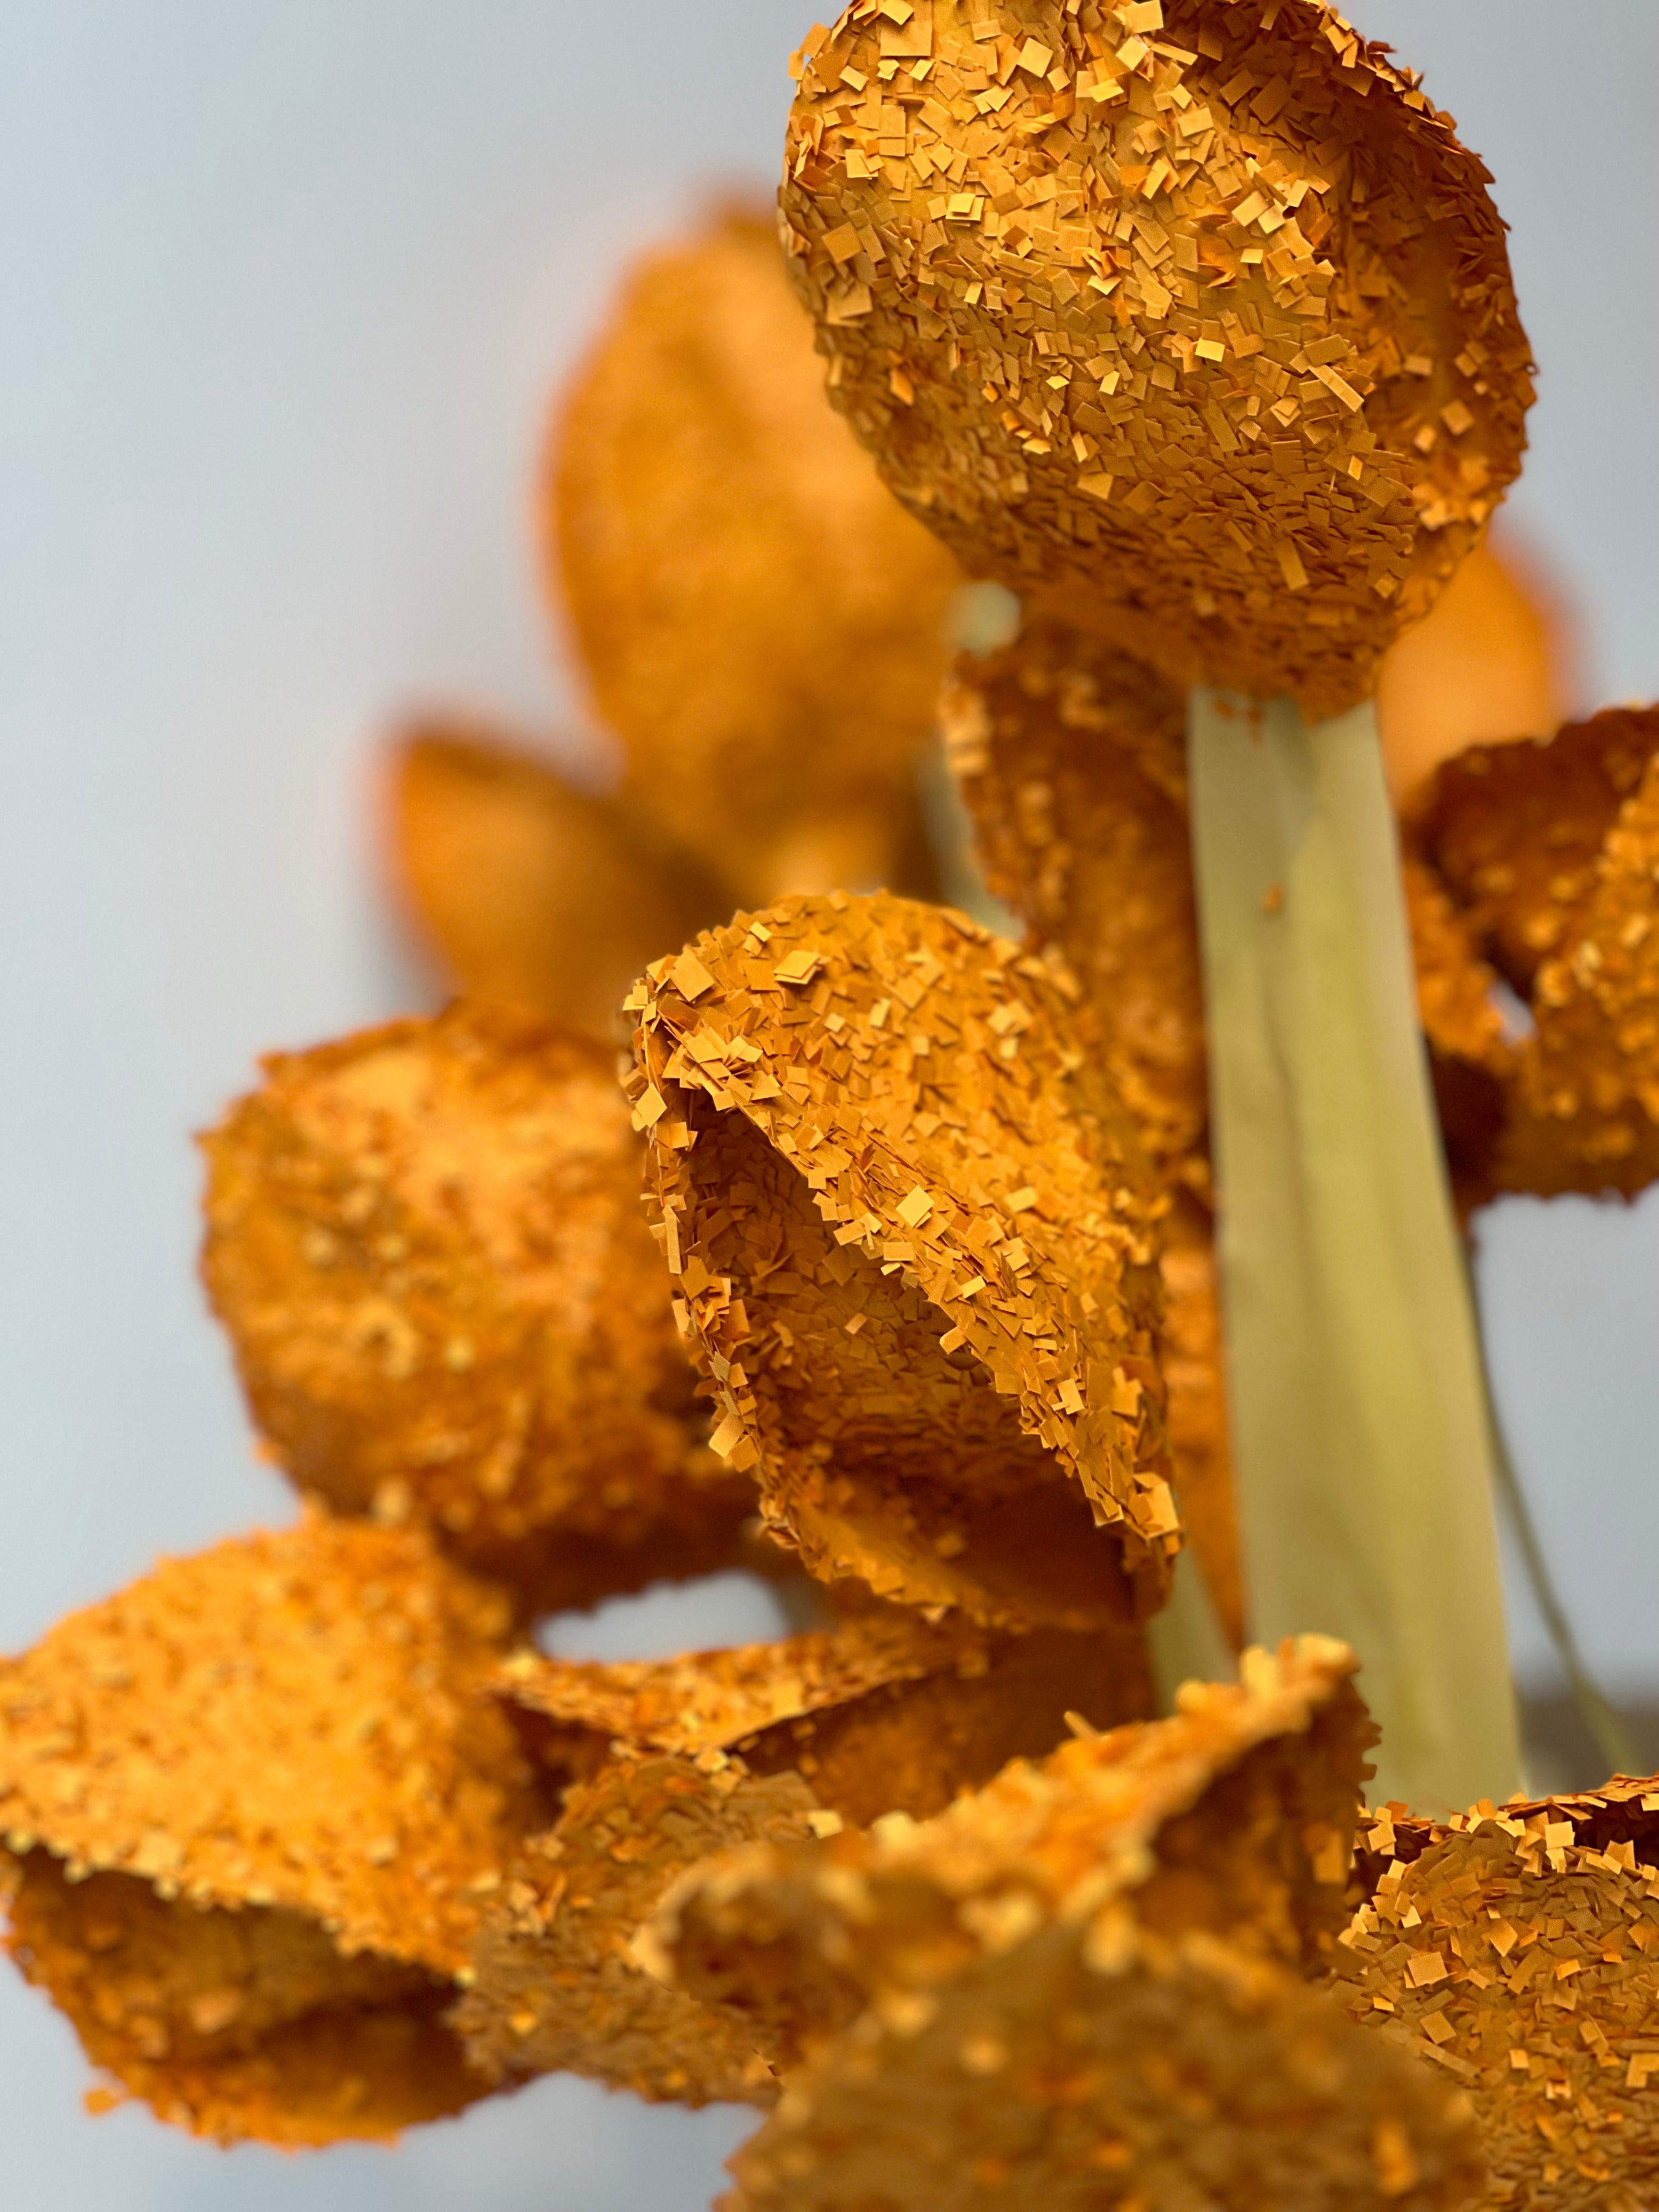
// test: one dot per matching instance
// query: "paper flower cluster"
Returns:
(887, 1269)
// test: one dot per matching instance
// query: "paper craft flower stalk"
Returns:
(1194, 322)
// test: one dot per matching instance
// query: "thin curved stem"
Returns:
(1611, 1737)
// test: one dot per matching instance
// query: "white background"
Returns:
(284, 290)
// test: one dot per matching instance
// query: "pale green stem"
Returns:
(1362, 1451)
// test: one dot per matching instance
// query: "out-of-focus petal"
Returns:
(1587, 1113)
(250, 1805)
(886, 1713)
(1492, 661)
(1234, 1818)
(1072, 757)
(557, 1982)
(527, 890)
(1514, 831)
(425, 1241)
(761, 623)
(1081, 1986)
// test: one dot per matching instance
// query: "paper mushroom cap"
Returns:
(1197, 313)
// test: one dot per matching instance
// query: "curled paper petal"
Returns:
(1492, 661)
(1471, 1062)
(1234, 1819)
(884, 1713)
(916, 1255)
(1072, 757)
(1213, 329)
(241, 2026)
(1080, 1985)
(1588, 1114)
(763, 625)
(528, 891)
(425, 1242)
(248, 1805)
(1547, 850)
(558, 1981)
(1517, 1949)
(1516, 830)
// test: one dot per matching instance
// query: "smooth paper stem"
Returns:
(1361, 1448)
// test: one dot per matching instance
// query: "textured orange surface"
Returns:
(251, 1800)
(239, 2025)
(1200, 313)
(916, 1249)
(1588, 1116)
(1080, 1985)
(1136, 1815)
(1548, 851)
(886, 1713)
(1195, 1374)
(1184, 2072)
(1516, 830)
(555, 1982)
(761, 623)
(1072, 758)
(425, 1242)
(1192, 320)
(1517, 1949)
